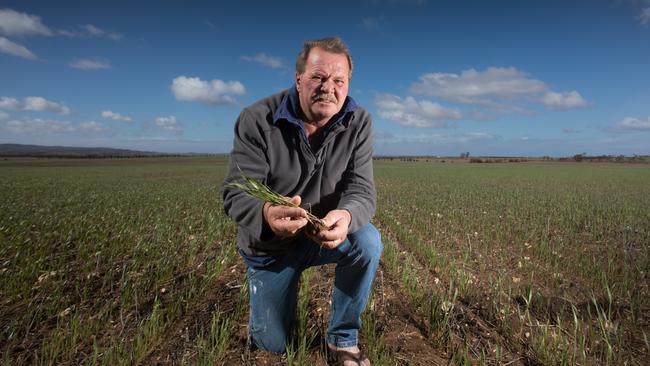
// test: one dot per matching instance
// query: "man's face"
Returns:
(323, 86)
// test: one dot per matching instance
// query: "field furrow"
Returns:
(133, 262)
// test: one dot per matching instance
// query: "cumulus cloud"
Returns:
(495, 87)
(644, 18)
(9, 103)
(434, 138)
(633, 123)
(266, 60)
(565, 100)
(36, 104)
(478, 87)
(412, 113)
(115, 116)
(40, 104)
(213, 92)
(92, 126)
(39, 126)
(169, 124)
(90, 64)
(14, 49)
(13, 23)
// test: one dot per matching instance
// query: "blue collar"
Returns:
(289, 109)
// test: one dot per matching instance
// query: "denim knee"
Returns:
(268, 341)
(272, 307)
(368, 241)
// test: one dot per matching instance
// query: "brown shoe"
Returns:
(347, 356)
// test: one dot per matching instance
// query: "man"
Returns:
(314, 144)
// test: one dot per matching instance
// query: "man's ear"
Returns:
(297, 81)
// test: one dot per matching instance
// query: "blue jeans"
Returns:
(274, 289)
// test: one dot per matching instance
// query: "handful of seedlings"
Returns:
(261, 191)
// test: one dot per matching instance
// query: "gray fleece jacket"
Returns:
(271, 146)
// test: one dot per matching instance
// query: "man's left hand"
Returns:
(338, 221)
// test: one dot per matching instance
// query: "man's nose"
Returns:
(327, 85)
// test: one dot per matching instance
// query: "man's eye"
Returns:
(339, 82)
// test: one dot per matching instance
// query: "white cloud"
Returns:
(92, 126)
(644, 18)
(169, 124)
(14, 49)
(13, 23)
(4, 115)
(67, 33)
(36, 104)
(496, 87)
(115, 116)
(209, 92)
(412, 113)
(564, 100)
(479, 87)
(94, 31)
(40, 104)
(633, 123)
(435, 138)
(39, 126)
(90, 31)
(90, 64)
(9, 103)
(266, 60)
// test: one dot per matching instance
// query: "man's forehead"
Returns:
(327, 68)
(320, 59)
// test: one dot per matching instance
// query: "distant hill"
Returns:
(19, 150)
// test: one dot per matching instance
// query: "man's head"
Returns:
(323, 73)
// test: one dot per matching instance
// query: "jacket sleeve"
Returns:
(359, 196)
(248, 155)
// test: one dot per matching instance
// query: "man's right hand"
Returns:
(285, 221)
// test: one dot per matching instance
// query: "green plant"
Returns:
(263, 192)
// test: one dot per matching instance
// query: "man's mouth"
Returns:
(324, 98)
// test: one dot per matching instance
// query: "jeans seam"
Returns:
(338, 342)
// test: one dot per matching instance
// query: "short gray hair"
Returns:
(330, 44)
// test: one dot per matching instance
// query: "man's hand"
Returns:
(338, 221)
(285, 221)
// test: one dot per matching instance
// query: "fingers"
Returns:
(332, 244)
(286, 227)
(335, 232)
(280, 212)
(338, 221)
(285, 221)
(296, 200)
(290, 227)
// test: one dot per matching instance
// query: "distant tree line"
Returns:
(498, 160)
(607, 158)
(514, 159)
(103, 156)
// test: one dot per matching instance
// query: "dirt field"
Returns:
(122, 262)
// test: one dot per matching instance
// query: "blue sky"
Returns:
(439, 77)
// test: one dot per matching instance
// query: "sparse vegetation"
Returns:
(118, 262)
